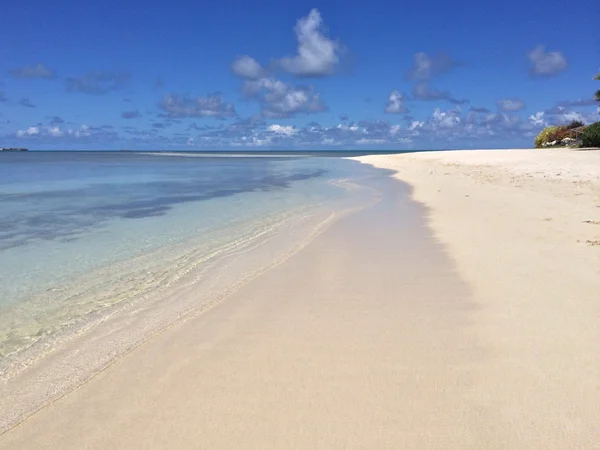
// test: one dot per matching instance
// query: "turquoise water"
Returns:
(82, 234)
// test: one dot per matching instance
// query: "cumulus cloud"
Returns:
(83, 131)
(543, 63)
(318, 55)
(131, 114)
(579, 102)
(422, 91)
(452, 128)
(510, 105)
(286, 130)
(37, 71)
(175, 105)
(559, 115)
(55, 120)
(279, 99)
(253, 132)
(26, 103)
(441, 129)
(538, 119)
(446, 119)
(98, 83)
(395, 103)
(247, 67)
(426, 67)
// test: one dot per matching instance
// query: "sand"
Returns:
(523, 227)
(478, 330)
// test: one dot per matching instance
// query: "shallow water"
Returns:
(84, 233)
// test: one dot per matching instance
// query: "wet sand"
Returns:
(363, 339)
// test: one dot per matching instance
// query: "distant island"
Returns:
(12, 149)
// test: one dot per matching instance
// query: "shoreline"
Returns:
(346, 343)
(457, 312)
(68, 360)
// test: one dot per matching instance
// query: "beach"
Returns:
(523, 228)
(458, 309)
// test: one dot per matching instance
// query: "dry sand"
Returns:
(380, 334)
(523, 227)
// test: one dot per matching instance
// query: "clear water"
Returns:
(83, 233)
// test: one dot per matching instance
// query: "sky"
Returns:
(262, 75)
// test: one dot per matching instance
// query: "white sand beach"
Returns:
(467, 319)
(523, 227)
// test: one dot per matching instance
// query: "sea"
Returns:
(111, 247)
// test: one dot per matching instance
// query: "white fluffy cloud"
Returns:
(451, 128)
(176, 105)
(247, 67)
(54, 132)
(545, 63)
(446, 119)
(318, 55)
(560, 115)
(286, 130)
(279, 99)
(510, 104)
(395, 103)
(538, 119)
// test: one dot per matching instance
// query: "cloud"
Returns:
(442, 129)
(446, 119)
(3, 97)
(247, 67)
(31, 131)
(544, 63)
(84, 131)
(279, 99)
(55, 120)
(352, 134)
(579, 102)
(159, 125)
(510, 105)
(479, 110)
(344, 118)
(176, 105)
(159, 83)
(395, 103)
(560, 115)
(98, 83)
(426, 67)
(286, 130)
(37, 71)
(538, 119)
(422, 91)
(131, 114)
(317, 54)
(26, 102)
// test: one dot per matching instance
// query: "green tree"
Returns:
(597, 77)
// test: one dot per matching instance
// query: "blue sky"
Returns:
(298, 75)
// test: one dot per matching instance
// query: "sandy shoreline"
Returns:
(523, 228)
(479, 332)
